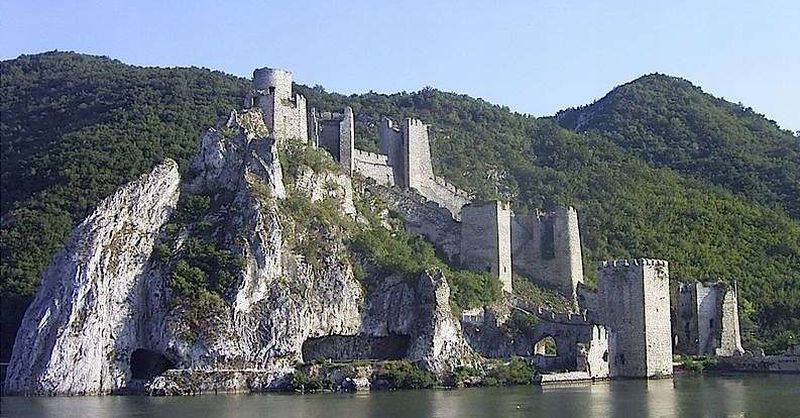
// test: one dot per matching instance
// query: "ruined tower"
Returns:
(335, 132)
(409, 153)
(634, 304)
(284, 112)
(706, 319)
(486, 239)
(546, 246)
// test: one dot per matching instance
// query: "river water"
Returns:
(686, 396)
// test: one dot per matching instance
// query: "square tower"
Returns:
(635, 305)
(547, 247)
(335, 132)
(706, 319)
(486, 239)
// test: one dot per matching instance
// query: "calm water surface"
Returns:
(703, 396)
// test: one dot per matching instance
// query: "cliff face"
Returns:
(107, 318)
(95, 294)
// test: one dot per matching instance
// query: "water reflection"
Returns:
(742, 395)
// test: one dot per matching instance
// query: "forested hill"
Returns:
(669, 122)
(74, 127)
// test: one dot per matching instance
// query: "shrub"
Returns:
(405, 375)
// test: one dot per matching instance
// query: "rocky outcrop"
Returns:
(106, 318)
(94, 293)
(282, 298)
(420, 309)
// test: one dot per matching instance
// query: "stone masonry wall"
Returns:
(422, 217)
(390, 143)
(374, 166)
(335, 132)
(708, 317)
(684, 319)
(658, 327)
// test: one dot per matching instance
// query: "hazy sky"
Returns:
(533, 56)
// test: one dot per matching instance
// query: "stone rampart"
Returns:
(422, 217)
(705, 319)
(374, 166)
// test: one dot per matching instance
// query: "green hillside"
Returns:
(74, 127)
(668, 122)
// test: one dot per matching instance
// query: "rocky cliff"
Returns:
(109, 315)
(94, 296)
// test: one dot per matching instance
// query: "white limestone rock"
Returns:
(93, 293)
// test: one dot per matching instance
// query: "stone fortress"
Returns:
(626, 328)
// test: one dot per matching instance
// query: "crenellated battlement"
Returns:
(452, 188)
(562, 317)
(633, 262)
(370, 157)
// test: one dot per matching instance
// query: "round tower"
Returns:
(273, 81)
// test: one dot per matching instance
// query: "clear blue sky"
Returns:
(533, 56)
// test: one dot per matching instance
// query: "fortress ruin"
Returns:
(626, 326)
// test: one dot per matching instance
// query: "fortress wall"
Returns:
(708, 317)
(285, 114)
(374, 166)
(705, 319)
(684, 319)
(419, 169)
(422, 217)
(658, 327)
(329, 136)
(446, 195)
(335, 132)
(390, 143)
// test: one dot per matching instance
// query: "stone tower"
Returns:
(408, 151)
(486, 239)
(546, 246)
(634, 303)
(335, 132)
(705, 319)
(284, 112)
(419, 168)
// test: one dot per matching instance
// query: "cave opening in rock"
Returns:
(147, 364)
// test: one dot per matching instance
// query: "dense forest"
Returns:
(656, 169)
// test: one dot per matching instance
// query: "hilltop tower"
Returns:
(634, 304)
(706, 319)
(486, 239)
(546, 246)
(284, 112)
